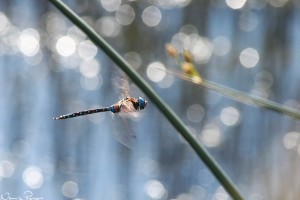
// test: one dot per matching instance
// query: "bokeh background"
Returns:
(48, 67)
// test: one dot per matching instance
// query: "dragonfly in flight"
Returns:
(126, 105)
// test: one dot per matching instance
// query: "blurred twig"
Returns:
(164, 108)
(189, 73)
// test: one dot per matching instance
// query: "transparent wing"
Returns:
(121, 86)
(124, 87)
(123, 131)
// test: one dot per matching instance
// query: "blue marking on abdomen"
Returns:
(112, 109)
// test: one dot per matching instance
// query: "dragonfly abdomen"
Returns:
(85, 112)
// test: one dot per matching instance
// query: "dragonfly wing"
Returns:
(121, 86)
(123, 131)
(125, 87)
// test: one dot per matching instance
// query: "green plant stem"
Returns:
(235, 94)
(164, 108)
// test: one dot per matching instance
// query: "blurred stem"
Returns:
(234, 94)
(163, 107)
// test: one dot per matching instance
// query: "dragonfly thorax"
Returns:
(129, 104)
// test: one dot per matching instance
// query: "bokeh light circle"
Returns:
(91, 83)
(134, 59)
(33, 177)
(125, 15)
(291, 140)
(87, 50)
(7, 169)
(65, 46)
(211, 135)
(195, 113)
(264, 80)
(70, 189)
(154, 73)
(155, 189)
(108, 26)
(151, 16)
(235, 4)
(221, 46)
(90, 68)
(111, 5)
(230, 116)
(202, 49)
(167, 81)
(29, 42)
(249, 57)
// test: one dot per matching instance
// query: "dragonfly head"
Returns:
(142, 103)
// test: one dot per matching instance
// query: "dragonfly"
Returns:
(126, 105)
(125, 108)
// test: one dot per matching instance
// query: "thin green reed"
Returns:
(162, 106)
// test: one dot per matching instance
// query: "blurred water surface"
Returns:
(48, 67)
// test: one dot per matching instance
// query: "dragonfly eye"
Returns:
(142, 103)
